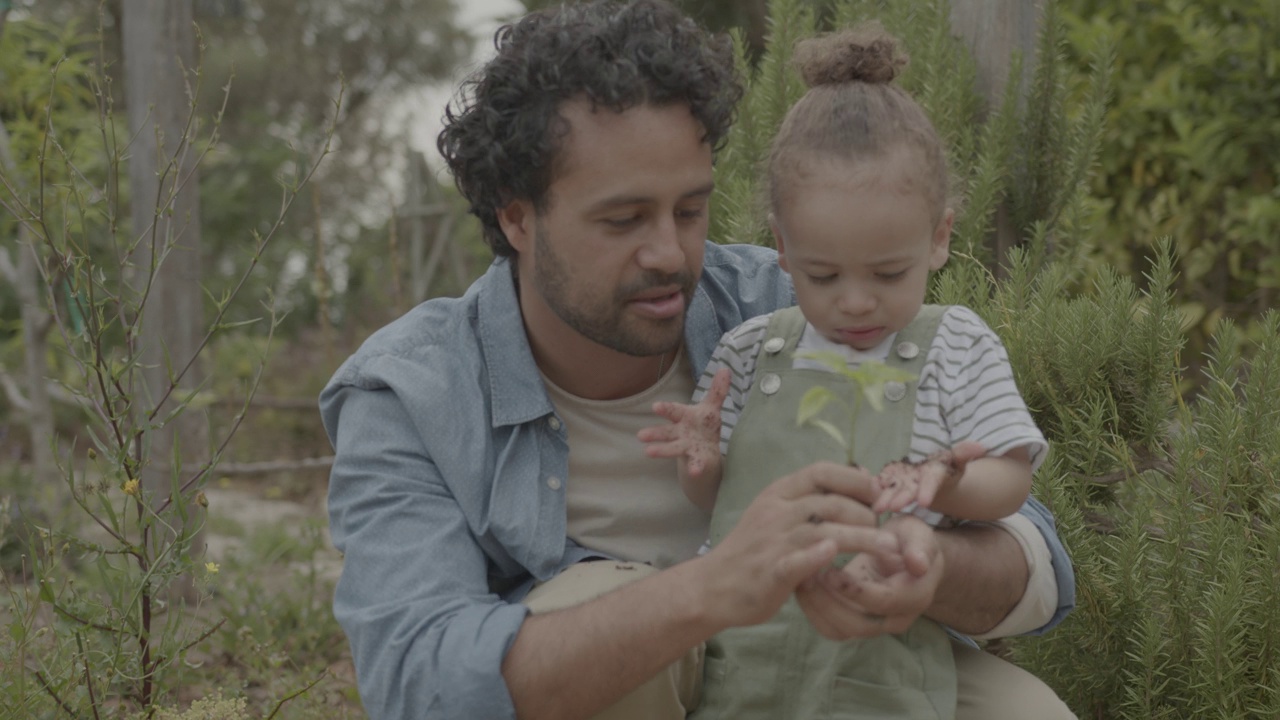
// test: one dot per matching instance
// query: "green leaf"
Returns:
(877, 373)
(874, 395)
(872, 377)
(812, 403)
(831, 430)
(833, 361)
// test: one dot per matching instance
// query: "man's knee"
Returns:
(989, 688)
(582, 582)
(670, 694)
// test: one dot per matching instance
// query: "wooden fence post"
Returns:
(994, 30)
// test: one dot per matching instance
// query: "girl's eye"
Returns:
(892, 276)
(822, 279)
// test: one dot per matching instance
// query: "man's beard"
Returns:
(605, 320)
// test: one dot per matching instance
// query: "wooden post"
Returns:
(424, 206)
(24, 278)
(159, 63)
(994, 30)
(159, 52)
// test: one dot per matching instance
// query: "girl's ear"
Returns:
(942, 241)
(777, 239)
(517, 220)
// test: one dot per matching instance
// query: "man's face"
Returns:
(615, 254)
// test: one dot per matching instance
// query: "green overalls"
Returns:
(783, 669)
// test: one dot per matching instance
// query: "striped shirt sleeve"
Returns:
(737, 350)
(967, 392)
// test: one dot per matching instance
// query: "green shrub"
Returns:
(1190, 148)
(1169, 510)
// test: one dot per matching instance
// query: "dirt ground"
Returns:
(248, 510)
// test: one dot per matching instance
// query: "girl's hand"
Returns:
(694, 431)
(902, 483)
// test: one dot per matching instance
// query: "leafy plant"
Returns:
(868, 380)
(1169, 508)
(1189, 150)
(106, 610)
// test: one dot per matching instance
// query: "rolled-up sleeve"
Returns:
(427, 635)
(1063, 574)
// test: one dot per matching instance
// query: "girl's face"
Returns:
(859, 242)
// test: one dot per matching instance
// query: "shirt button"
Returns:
(553, 482)
(770, 384)
(894, 390)
(774, 345)
(554, 422)
(908, 350)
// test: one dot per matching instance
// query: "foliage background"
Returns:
(1150, 361)
(1189, 150)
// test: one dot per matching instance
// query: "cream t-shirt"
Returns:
(621, 502)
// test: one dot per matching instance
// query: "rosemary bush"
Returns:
(1171, 511)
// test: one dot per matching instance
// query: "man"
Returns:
(485, 445)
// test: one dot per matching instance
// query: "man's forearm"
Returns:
(575, 662)
(985, 575)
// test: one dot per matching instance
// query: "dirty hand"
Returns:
(788, 533)
(902, 483)
(694, 431)
(876, 594)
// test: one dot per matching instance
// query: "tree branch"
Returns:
(14, 393)
(7, 270)
(273, 466)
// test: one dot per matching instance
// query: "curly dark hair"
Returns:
(503, 131)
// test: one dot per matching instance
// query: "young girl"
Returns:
(858, 193)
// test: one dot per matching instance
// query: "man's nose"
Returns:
(662, 250)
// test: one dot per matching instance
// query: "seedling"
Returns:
(868, 379)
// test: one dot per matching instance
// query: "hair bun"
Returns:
(866, 53)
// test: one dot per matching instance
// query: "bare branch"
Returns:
(274, 466)
(268, 403)
(13, 392)
(297, 694)
(7, 270)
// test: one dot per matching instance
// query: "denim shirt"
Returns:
(446, 496)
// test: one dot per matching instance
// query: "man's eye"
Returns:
(690, 214)
(621, 223)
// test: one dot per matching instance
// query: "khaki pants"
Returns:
(988, 688)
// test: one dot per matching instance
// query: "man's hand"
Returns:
(792, 530)
(877, 594)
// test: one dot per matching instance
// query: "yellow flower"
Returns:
(130, 487)
(211, 568)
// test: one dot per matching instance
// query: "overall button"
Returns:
(908, 350)
(553, 482)
(554, 422)
(770, 384)
(894, 390)
(774, 345)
